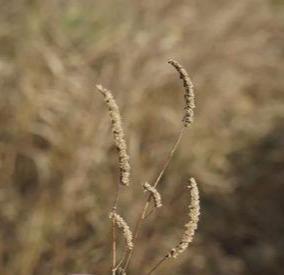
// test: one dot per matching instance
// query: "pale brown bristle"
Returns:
(191, 225)
(189, 92)
(121, 224)
(118, 134)
(154, 194)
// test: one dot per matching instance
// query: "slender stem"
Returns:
(114, 267)
(113, 247)
(135, 234)
(171, 154)
(157, 265)
(143, 215)
(116, 197)
(150, 212)
(121, 261)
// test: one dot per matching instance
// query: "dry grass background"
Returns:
(58, 163)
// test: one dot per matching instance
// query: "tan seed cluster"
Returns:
(189, 92)
(121, 224)
(118, 134)
(154, 194)
(191, 226)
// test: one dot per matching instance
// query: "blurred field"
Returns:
(58, 166)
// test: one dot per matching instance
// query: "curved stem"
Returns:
(114, 267)
(143, 215)
(113, 248)
(170, 156)
(121, 261)
(157, 265)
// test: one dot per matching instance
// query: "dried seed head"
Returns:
(118, 134)
(191, 226)
(154, 194)
(189, 93)
(121, 224)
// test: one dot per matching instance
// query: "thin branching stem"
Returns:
(124, 166)
(113, 246)
(190, 226)
(121, 260)
(143, 214)
(171, 154)
(114, 268)
(157, 265)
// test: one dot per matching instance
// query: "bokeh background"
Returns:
(58, 165)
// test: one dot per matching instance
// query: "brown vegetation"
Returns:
(58, 163)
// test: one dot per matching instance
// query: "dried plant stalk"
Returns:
(187, 120)
(121, 224)
(118, 134)
(191, 226)
(189, 92)
(155, 195)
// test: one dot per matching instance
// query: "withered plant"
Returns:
(154, 199)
